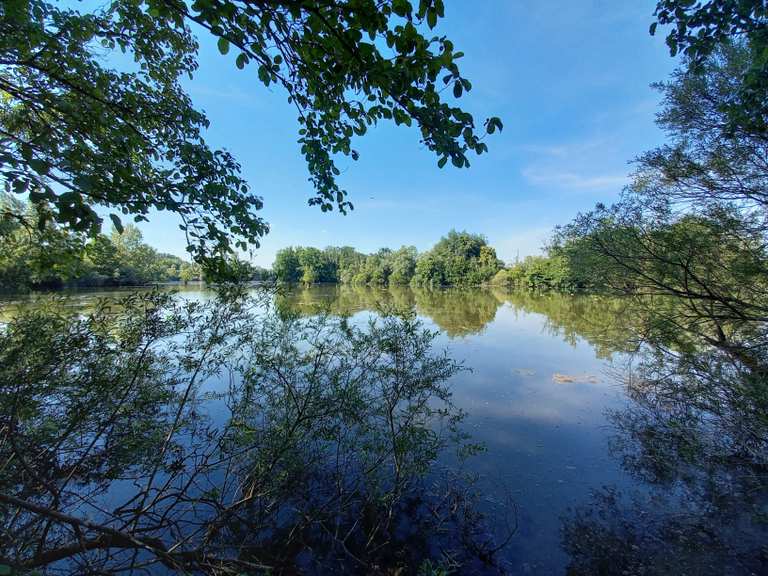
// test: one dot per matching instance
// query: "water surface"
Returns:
(541, 375)
(542, 372)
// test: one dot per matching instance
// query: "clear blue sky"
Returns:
(569, 78)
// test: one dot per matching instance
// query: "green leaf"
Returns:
(432, 18)
(264, 75)
(39, 166)
(493, 124)
(223, 45)
(401, 7)
(116, 222)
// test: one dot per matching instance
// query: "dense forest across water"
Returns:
(38, 254)
(51, 257)
(458, 259)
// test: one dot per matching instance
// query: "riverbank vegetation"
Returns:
(686, 243)
(552, 272)
(47, 256)
(36, 253)
(458, 259)
(316, 443)
(688, 235)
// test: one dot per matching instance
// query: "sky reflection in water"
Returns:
(541, 378)
(539, 381)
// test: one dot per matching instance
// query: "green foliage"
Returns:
(309, 265)
(700, 29)
(34, 251)
(37, 253)
(374, 270)
(345, 265)
(79, 133)
(458, 259)
(686, 243)
(233, 269)
(341, 263)
(690, 230)
(286, 265)
(540, 273)
(188, 272)
(403, 266)
(313, 265)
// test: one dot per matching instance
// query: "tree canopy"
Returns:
(53, 256)
(689, 232)
(458, 259)
(86, 130)
(699, 29)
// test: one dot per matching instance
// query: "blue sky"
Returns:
(569, 78)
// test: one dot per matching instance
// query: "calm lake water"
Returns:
(543, 371)
(542, 375)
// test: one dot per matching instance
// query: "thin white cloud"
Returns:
(588, 164)
(574, 180)
(578, 149)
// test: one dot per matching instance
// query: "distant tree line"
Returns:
(458, 259)
(37, 253)
(559, 269)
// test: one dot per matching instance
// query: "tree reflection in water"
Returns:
(214, 438)
(602, 321)
(157, 435)
(693, 434)
(696, 435)
(457, 312)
